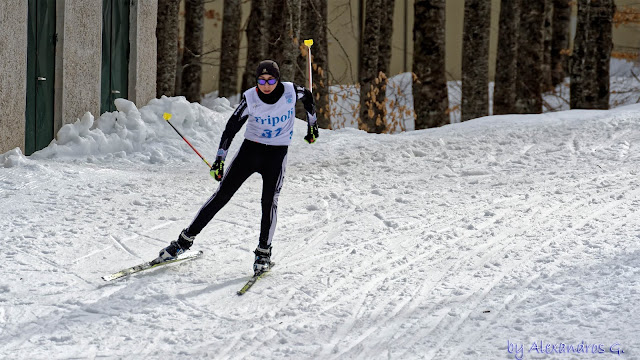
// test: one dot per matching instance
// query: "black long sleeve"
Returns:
(306, 97)
(233, 126)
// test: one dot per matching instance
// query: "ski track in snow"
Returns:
(436, 244)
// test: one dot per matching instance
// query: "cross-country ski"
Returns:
(254, 279)
(151, 265)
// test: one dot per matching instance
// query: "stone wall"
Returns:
(78, 62)
(142, 61)
(13, 73)
(81, 59)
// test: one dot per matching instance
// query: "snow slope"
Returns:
(483, 240)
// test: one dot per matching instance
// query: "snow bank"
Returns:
(624, 68)
(13, 158)
(140, 134)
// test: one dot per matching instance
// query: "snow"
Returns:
(488, 239)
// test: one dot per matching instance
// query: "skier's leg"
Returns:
(238, 172)
(242, 166)
(272, 173)
(272, 180)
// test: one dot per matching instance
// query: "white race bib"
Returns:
(271, 124)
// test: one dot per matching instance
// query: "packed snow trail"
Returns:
(448, 243)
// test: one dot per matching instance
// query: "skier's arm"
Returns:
(306, 97)
(233, 126)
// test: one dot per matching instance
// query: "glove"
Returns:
(312, 133)
(217, 170)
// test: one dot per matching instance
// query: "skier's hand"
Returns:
(312, 133)
(217, 170)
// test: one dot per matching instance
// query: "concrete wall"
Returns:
(142, 59)
(82, 59)
(13, 73)
(626, 37)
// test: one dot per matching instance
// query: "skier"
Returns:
(269, 111)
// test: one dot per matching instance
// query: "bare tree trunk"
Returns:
(192, 55)
(592, 54)
(581, 68)
(603, 23)
(371, 111)
(167, 36)
(230, 48)
(475, 59)
(179, 55)
(308, 25)
(257, 39)
(290, 39)
(504, 95)
(284, 34)
(315, 23)
(384, 57)
(546, 47)
(530, 57)
(386, 33)
(430, 95)
(275, 29)
(560, 41)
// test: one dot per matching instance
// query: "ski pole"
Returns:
(308, 43)
(167, 117)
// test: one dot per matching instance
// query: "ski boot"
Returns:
(263, 260)
(177, 247)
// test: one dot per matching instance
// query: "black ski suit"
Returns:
(264, 151)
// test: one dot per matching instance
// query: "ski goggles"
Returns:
(271, 81)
